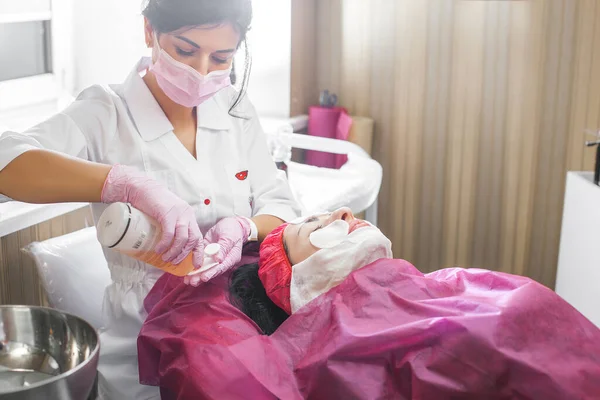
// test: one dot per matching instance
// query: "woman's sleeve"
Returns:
(82, 130)
(270, 188)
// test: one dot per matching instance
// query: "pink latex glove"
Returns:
(230, 234)
(180, 232)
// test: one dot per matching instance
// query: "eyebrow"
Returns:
(308, 221)
(188, 41)
(196, 45)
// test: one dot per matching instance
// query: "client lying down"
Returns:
(302, 260)
(344, 320)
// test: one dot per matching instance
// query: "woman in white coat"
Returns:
(177, 142)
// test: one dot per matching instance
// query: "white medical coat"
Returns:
(232, 175)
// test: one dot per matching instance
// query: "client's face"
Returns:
(323, 251)
(297, 236)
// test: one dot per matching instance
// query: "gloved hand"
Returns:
(180, 232)
(230, 234)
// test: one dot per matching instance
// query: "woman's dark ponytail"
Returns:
(247, 293)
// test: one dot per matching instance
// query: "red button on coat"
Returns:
(207, 201)
(241, 176)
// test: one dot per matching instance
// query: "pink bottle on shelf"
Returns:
(332, 123)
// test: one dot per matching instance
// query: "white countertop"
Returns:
(586, 176)
(15, 216)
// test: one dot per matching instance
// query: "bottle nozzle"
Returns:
(209, 252)
(212, 250)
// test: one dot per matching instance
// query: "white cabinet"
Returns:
(578, 277)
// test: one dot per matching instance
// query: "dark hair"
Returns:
(247, 293)
(167, 16)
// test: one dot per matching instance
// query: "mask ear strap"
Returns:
(232, 75)
(156, 42)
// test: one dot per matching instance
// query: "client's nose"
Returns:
(344, 214)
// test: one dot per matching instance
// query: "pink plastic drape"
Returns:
(387, 332)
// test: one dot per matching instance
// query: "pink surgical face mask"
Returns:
(182, 83)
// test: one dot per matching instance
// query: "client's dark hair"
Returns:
(247, 293)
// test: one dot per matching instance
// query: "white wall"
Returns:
(109, 39)
(271, 44)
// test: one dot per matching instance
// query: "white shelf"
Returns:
(15, 216)
(25, 17)
(271, 125)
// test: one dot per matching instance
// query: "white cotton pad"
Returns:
(209, 252)
(331, 235)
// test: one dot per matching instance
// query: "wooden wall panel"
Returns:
(19, 282)
(480, 109)
(304, 64)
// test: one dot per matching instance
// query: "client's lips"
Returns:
(357, 224)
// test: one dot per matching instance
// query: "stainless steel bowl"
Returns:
(46, 354)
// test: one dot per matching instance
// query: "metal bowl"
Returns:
(46, 354)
